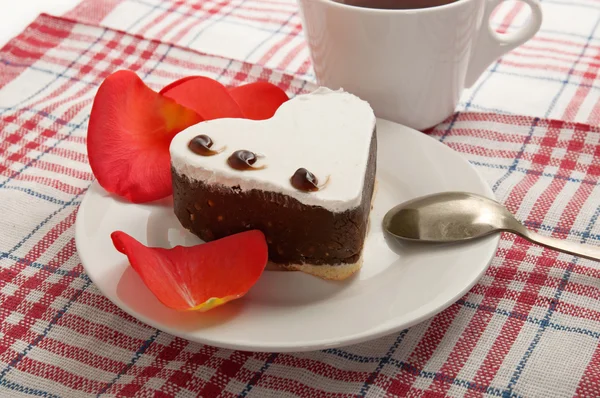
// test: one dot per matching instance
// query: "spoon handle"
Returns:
(576, 249)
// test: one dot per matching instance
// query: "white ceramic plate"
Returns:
(398, 286)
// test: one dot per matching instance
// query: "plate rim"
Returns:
(384, 329)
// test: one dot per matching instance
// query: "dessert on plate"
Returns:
(304, 177)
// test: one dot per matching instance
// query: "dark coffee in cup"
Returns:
(396, 4)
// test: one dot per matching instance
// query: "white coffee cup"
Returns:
(410, 65)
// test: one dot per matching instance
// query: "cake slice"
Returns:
(305, 178)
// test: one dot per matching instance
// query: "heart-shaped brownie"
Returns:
(305, 178)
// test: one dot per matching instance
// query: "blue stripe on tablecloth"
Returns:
(536, 172)
(51, 72)
(142, 17)
(258, 375)
(27, 390)
(44, 222)
(38, 195)
(138, 353)
(384, 361)
(38, 265)
(528, 318)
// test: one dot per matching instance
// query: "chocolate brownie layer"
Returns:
(296, 233)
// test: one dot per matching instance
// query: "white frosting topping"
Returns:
(326, 132)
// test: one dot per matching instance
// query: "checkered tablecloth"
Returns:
(529, 328)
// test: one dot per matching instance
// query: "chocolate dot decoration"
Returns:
(304, 180)
(201, 145)
(243, 160)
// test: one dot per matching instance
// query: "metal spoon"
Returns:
(460, 216)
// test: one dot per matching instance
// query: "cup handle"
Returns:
(491, 45)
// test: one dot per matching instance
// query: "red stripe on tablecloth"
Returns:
(589, 77)
(226, 369)
(94, 359)
(211, 12)
(594, 117)
(281, 43)
(510, 17)
(560, 42)
(180, 18)
(159, 18)
(50, 238)
(590, 272)
(540, 160)
(93, 11)
(292, 386)
(163, 354)
(96, 330)
(505, 274)
(305, 66)
(532, 49)
(15, 61)
(544, 67)
(577, 311)
(185, 376)
(487, 137)
(58, 169)
(67, 154)
(483, 151)
(73, 380)
(589, 385)
(287, 60)
(50, 182)
(10, 138)
(323, 369)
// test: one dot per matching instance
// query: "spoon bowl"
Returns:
(447, 217)
(461, 216)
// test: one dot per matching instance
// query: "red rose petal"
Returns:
(209, 98)
(199, 277)
(258, 100)
(129, 133)
(172, 85)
